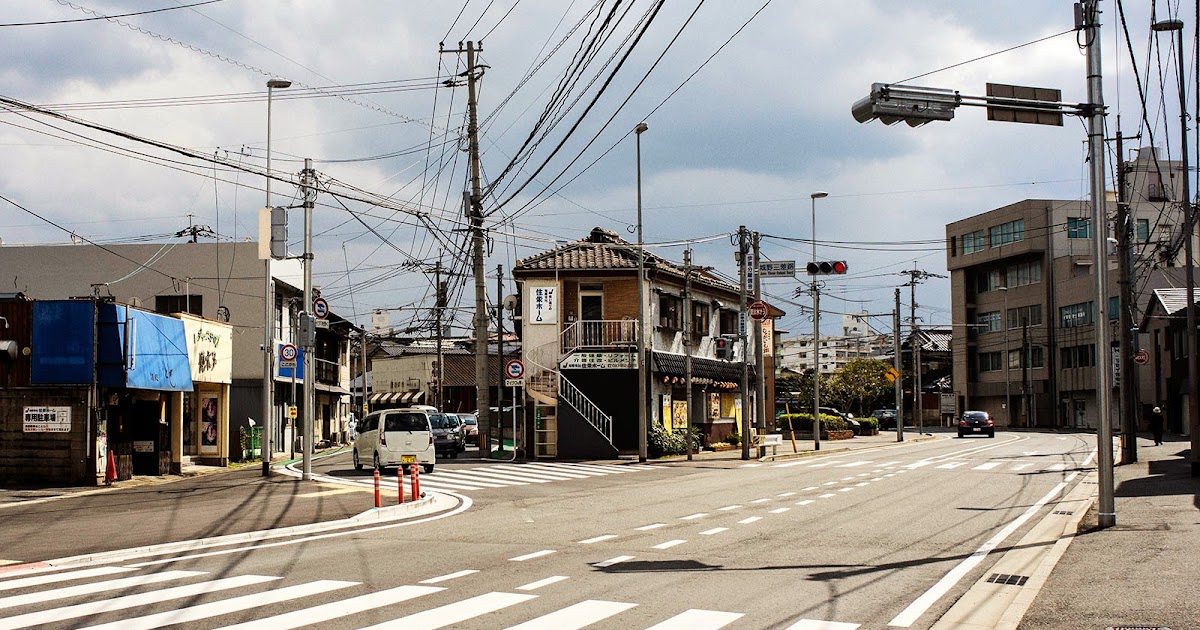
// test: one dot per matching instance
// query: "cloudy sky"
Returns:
(748, 104)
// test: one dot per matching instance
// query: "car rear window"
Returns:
(974, 415)
(441, 421)
(405, 422)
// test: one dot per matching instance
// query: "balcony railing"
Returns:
(599, 335)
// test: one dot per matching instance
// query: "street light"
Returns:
(269, 309)
(1193, 366)
(816, 419)
(641, 341)
(1007, 394)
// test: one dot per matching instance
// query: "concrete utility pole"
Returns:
(1128, 338)
(915, 276)
(760, 382)
(1090, 18)
(687, 343)
(500, 361)
(745, 388)
(899, 370)
(643, 365)
(475, 214)
(816, 350)
(308, 183)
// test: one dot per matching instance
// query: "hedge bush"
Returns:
(868, 424)
(802, 422)
(671, 442)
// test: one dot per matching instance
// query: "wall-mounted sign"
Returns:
(777, 269)
(601, 360)
(47, 420)
(543, 304)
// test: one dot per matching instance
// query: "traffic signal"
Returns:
(909, 103)
(723, 348)
(827, 267)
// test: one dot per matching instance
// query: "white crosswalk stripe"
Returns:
(854, 464)
(987, 466)
(575, 616)
(508, 475)
(304, 606)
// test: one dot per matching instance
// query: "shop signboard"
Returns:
(543, 304)
(210, 349)
(600, 360)
(47, 420)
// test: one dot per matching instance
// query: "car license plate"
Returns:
(974, 429)
(408, 459)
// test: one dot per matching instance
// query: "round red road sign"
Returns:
(758, 310)
(1141, 357)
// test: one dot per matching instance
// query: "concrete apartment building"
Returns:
(1023, 297)
(857, 341)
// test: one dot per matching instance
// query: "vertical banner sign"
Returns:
(544, 304)
(768, 337)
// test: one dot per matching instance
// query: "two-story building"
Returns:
(579, 330)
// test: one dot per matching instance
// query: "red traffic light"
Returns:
(827, 267)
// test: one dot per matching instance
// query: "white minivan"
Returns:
(395, 437)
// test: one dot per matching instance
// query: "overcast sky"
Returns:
(764, 122)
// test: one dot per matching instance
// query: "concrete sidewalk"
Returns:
(1141, 573)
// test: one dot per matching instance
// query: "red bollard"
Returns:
(378, 501)
(400, 482)
(416, 485)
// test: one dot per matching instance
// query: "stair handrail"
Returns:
(595, 416)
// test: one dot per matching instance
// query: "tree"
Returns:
(861, 386)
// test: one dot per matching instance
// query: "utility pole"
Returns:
(475, 213)
(500, 361)
(1090, 22)
(760, 382)
(1127, 337)
(899, 370)
(816, 349)
(687, 343)
(438, 310)
(308, 183)
(915, 276)
(745, 388)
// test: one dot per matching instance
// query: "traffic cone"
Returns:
(110, 473)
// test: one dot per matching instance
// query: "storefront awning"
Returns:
(332, 389)
(392, 398)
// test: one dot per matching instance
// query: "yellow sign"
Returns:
(292, 412)
(892, 375)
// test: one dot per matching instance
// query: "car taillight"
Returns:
(989, 422)
(962, 423)
(383, 438)
(430, 441)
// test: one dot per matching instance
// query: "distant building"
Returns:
(857, 341)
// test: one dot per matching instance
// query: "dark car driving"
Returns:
(448, 438)
(976, 422)
(886, 418)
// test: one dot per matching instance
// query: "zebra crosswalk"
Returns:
(1007, 465)
(492, 476)
(128, 598)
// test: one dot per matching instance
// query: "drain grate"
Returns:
(1137, 628)
(1064, 512)
(1011, 580)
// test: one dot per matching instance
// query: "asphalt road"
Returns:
(872, 539)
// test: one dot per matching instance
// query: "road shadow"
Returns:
(1168, 474)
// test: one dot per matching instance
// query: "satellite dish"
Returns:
(510, 302)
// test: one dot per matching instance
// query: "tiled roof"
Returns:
(1171, 300)
(711, 369)
(604, 249)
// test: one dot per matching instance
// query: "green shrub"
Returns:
(671, 442)
(802, 422)
(868, 424)
(734, 438)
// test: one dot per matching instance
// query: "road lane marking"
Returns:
(697, 619)
(1021, 466)
(790, 464)
(715, 530)
(863, 475)
(598, 539)
(96, 587)
(531, 556)
(752, 519)
(951, 465)
(751, 465)
(827, 495)
(646, 528)
(693, 516)
(862, 483)
(575, 616)
(573, 470)
(808, 488)
(824, 464)
(337, 609)
(786, 494)
(914, 610)
(877, 479)
(487, 473)
(779, 510)
(471, 479)
(39, 580)
(845, 489)
(760, 500)
(1057, 467)
(131, 601)
(612, 561)
(449, 576)
(805, 502)
(847, 478)
(916, 465)
(669, 544)
(331, 490)
(987, 466)
(855, 464)
(814, 624)
(533, 586)
(829, 483)
(457, 612)
(728, 507)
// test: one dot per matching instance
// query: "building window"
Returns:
(989, 281)
(1023, 273)
(700, 318)
(1142, 230)
(989, 322)
(728, 322)
(1078, 227)
(974, 242)
(1074, 315)
(670, 311)
(1114, 308)
(1006, 233)
(1025, 316)
(1017, 359)
(1078, 356)
(990, 361)
(167, 304)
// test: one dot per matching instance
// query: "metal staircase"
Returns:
(548, 388)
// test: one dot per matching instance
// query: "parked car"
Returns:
(448, 440)
(976, 422)
(470, 424)
(395, 437)
(886, 418)
(851, 423)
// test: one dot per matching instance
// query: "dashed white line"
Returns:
(845, 489)
(598, 539)
(533, 586)
(827, 495)
(747, 521)
(808, 488)
(692, 517)
(786, 494)
(531, 556)
(760, 500)
(805, 502)
(861, 484)
(779, 510)
(449, 576)
(669, 544)
(728, 507)
(646, 528)
(715, 530)
(612, 561)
